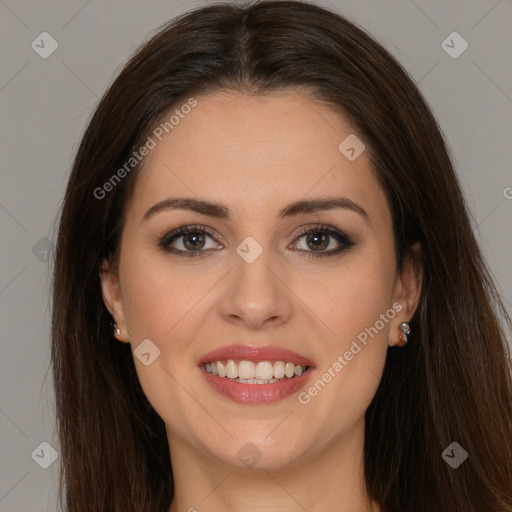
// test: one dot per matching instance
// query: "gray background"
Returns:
(45, 104)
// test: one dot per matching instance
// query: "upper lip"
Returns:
(255, 354)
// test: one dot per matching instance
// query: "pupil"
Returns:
(197, 240)
(322, 238)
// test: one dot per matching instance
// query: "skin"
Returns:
(256, 155)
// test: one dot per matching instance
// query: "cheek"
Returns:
(158, 295)
(354, 303)
(350, 297)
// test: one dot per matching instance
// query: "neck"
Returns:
(331, 479)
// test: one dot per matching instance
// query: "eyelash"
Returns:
(339, 236)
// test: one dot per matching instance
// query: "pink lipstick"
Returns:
(255, 375)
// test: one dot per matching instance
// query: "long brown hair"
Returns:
(451, 383)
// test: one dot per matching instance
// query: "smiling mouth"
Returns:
(250, 372)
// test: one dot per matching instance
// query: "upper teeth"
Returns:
(262, 370)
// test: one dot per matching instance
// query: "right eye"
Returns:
(191, 239)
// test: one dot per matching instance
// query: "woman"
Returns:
(267, 291)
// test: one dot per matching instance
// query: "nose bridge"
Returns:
(256, 292)
(253, 278)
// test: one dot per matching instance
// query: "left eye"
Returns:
(320, 238)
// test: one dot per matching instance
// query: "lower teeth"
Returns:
(259, 381)
(256, 381)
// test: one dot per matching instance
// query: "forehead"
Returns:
(255, 150)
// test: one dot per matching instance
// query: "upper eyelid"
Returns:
(184, 230)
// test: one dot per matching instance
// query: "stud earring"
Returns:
(117, 331)
(404, 331)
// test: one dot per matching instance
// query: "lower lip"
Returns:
(256, 393)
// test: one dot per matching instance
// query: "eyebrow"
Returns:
(221, 211)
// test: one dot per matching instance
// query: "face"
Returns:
(247, 274)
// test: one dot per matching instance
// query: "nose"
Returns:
(257, 293)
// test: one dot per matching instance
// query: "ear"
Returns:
(407, 291)
(111, 292)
